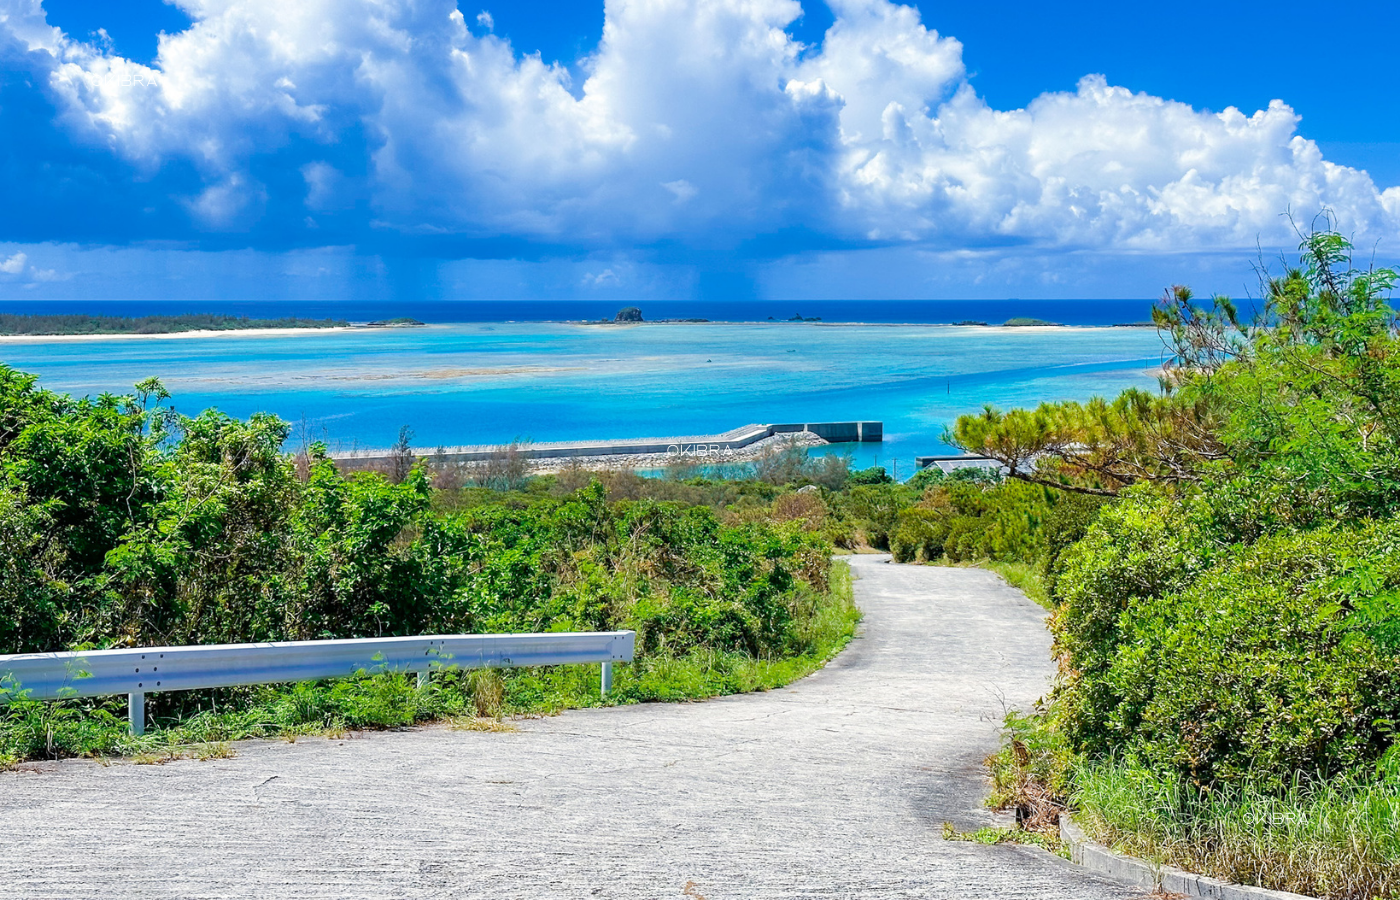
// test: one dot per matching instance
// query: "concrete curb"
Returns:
(1100, 859)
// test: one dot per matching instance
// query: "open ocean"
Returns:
(443, 312)
(494, 381)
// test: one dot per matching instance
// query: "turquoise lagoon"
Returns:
(493, 383)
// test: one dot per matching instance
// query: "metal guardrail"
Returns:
(135, 672)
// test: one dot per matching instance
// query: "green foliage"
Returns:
(1249, 674)
(29, 597)
(962, 520)
(919, 535)
(21, 323)
(872, 475)
(1240, 624)
(1226, 584)
(876, 509)
(1033, 765)
(122, 524)
(1337, 839)
(1140, 548)
(993, 835)
(1307, 396)
(925, 478)
(932, 476)
(1100, 446)
(199, 722)
(789, 463)
(1065, 523)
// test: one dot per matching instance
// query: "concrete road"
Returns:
(835, 787)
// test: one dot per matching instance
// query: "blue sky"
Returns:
(381, 148)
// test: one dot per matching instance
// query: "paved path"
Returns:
(835, 787)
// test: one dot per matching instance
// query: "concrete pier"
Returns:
(691, 445)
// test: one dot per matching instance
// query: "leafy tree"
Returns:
(1308, 390)
(401, 456)
(1226, 602)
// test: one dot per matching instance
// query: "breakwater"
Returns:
(704, 446)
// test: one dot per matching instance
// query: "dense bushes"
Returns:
(1222, 660)
(1245, 676)
(938, 518)
(1226, 589)
(963, 521)
(124, 525)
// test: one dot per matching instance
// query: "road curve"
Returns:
(834, 787)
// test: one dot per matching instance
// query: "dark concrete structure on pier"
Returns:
(837, 432)
(950, 464)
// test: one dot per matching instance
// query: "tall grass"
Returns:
(1025, 577)
(1338, 839)
(97, 726)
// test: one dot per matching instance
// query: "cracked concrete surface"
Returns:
(836, 786)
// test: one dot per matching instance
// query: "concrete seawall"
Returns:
(694, 445)
(835, 432)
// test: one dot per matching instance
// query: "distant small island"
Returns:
(1025, 322)
(399, 322)
(78, 324)
(632, 315)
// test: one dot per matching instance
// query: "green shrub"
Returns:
(122, 524)
(1148, 544)
(966, 521)
(919, 535)
(1227, 661)
(1249, 673)
(875, 509)
(932, 476)
(1065, 523)
(925, 478)
(872, 475)
(1226, 607)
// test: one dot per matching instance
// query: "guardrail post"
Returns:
(423, 679)
(607, 678)
(136, 712)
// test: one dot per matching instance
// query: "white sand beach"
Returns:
(232, 332)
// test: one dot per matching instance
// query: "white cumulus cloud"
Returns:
(699, 122)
